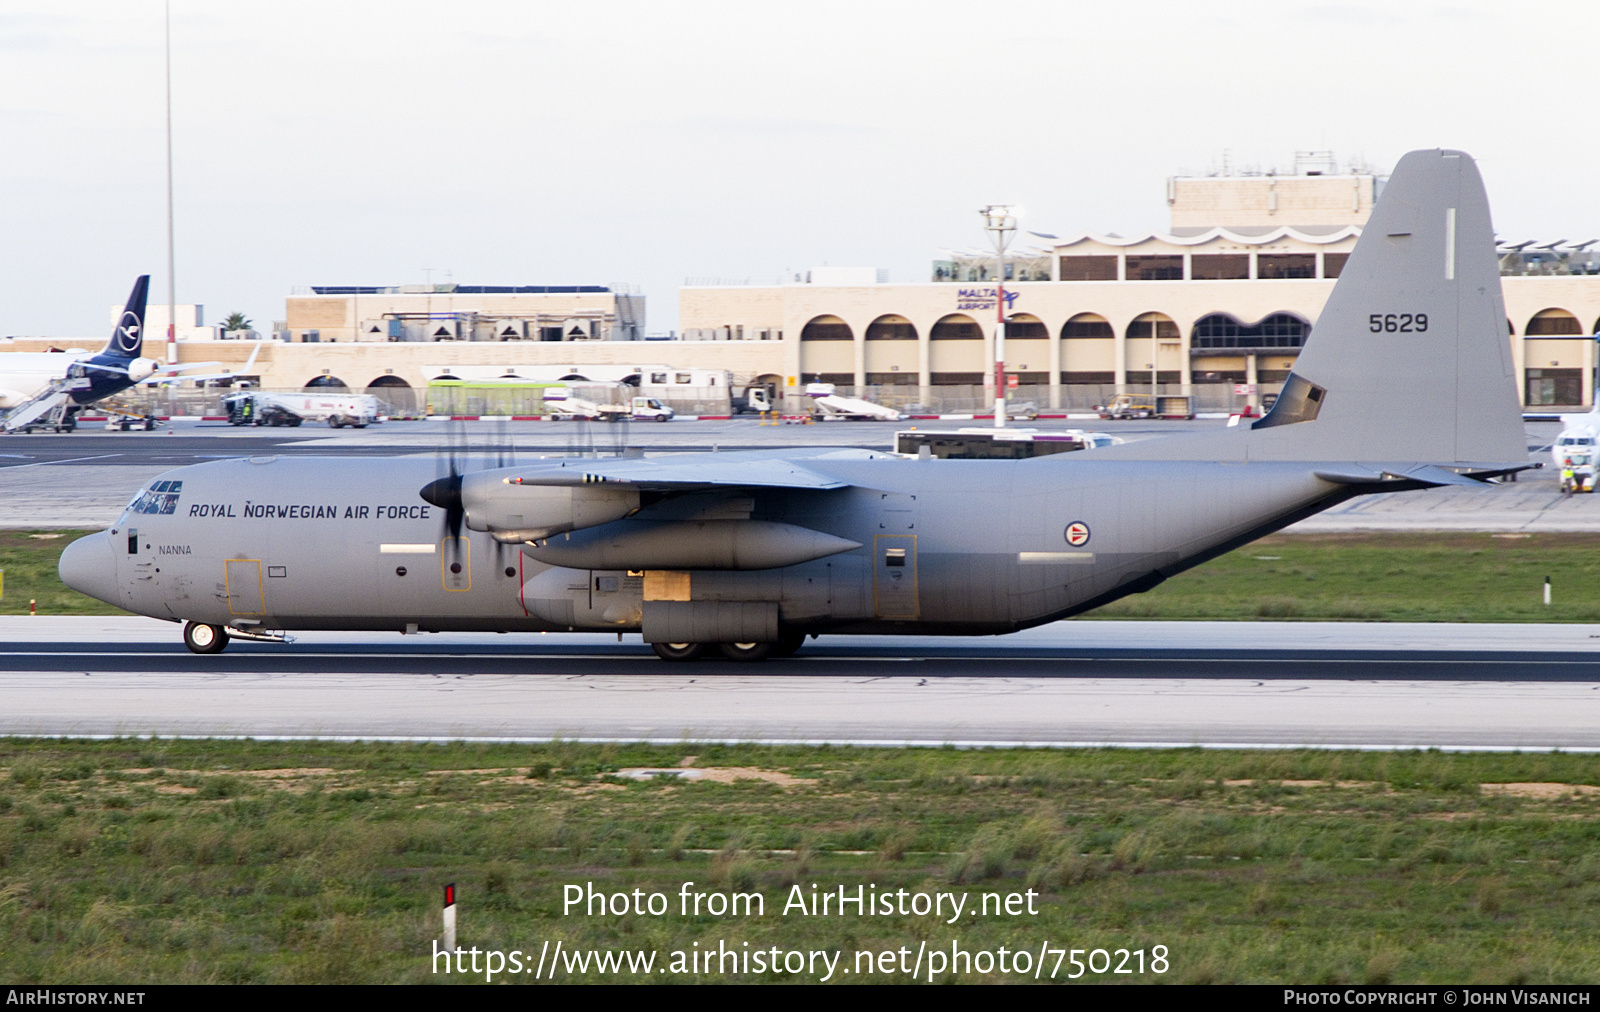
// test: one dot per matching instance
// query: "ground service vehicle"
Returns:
(257, 407)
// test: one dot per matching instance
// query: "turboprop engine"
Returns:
(514, 512)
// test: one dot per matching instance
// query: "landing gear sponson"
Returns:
(785, 647)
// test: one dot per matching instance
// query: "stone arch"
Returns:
(956, 327)
(826, 328)
(1026, 327)
(1553, 323)
(396, 393)
(1165, 327)
(891, 327)
(1087, 325)
(326, 381)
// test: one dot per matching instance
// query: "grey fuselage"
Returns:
(953, 547)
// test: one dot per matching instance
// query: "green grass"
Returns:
(29, 559)
(172, 861)
(1428, 577)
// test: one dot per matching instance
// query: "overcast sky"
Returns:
(357, 142)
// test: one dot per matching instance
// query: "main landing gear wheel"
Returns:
(678, 651)
(205, 639)
(746, 651)
(789, 645)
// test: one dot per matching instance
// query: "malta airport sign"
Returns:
(981, 298)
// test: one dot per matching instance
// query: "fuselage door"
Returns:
(894, 576)
(244, 587)
(455, 563)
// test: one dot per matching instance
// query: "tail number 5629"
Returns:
(1398, 323)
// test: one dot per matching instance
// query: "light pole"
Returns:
(1001, 224)
(172, 283)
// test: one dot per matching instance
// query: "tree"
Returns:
(236, 321)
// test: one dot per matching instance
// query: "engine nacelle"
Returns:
(139, 368)
(517, 512)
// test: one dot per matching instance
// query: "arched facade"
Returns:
(890, 357)
(1087, 326)
(826, 328)
(326, 381)
(1029, 352)
(1026, 327)
(891, 327)
(956, 327)
(396, 393)
(828, 352)
(1218, 331)
(1554, 323)
(1088, 352)
(959, 351)
(1152, 353)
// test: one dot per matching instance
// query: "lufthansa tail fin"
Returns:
(1410, 358)
(127, 338)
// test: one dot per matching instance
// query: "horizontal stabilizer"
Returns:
(1430, 475)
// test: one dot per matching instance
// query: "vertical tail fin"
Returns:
(1410, 358)
(127, 338)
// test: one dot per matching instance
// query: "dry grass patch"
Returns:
(1541, 792)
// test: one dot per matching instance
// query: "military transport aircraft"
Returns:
(1406, 384)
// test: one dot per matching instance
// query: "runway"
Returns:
(1075, 683)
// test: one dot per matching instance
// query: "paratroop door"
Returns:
(244, 587)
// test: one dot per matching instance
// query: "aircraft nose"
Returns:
(89, 566)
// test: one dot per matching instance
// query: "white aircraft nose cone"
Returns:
(89, 566)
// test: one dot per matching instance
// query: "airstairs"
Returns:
(51, 409)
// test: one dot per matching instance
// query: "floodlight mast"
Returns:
(1001, 224)
(172, 283)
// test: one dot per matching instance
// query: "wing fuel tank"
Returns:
(689, 544)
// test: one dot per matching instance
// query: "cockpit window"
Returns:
(160, 498)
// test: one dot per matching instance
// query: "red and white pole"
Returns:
(450, 917)
(1000, 346)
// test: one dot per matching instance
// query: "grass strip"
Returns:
(175, 861)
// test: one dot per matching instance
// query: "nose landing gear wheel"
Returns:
(789, 645)
(746, 651)
(678, 651)
(205, 639)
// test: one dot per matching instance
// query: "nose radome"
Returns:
(89, 566)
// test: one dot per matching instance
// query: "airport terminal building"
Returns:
(1217, 306)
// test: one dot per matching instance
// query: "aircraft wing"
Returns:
(170, 373)
(694, 471)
